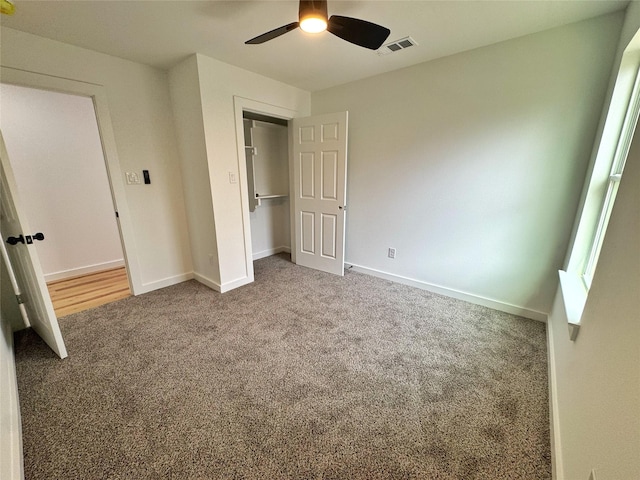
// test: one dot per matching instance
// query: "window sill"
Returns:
(574, 295)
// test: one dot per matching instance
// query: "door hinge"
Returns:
(19, 299)
(117, 215)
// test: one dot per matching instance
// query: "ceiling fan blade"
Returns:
(276, 32)
(359, 32)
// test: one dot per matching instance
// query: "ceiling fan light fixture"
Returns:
(313, 24)
(314, 18)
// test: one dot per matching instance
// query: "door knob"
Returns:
(36, 236)
(28, 239)
(15, 240)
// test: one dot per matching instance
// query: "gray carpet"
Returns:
(300, 375)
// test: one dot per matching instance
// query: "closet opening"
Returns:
(266, 148)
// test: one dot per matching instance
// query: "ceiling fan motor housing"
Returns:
(313, 9)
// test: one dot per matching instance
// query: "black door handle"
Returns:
(15, 240)
(29, 239)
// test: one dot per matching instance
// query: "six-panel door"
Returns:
(320, 175)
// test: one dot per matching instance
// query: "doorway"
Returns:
(57, 156)
(266, 150)
(246, 107)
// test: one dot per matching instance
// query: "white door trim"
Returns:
(98, 94)
(11, 428)
(241, 104)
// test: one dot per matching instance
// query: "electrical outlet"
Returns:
(392, 252)
(211, 259)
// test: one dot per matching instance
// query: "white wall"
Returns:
(270, 228)
(56, 155)
(597, 384)
(187, 107)
(218, 84)
(471, 166)
(596, 379)
(140, 110)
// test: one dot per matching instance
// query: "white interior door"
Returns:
(24, 260)
(320, 185)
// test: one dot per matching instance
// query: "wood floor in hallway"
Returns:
(72, 295)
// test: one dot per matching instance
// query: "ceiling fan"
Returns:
(313, 18)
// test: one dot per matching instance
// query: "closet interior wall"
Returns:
(267, 157)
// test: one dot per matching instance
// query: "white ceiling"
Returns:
(161, 33)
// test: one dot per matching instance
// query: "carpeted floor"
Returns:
(300, 375)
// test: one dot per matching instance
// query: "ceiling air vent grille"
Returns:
(397, 45)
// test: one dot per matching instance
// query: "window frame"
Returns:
(613, 182)
(620, 118)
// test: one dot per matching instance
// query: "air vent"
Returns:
(396, 46)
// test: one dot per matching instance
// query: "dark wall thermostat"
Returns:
(147, 178)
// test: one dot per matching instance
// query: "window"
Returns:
(617, 162)
(601, 186)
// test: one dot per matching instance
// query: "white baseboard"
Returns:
(10, 426)
(225, 287)
(165, 282)
(271, 251)
(206, 281)
(75, 272)
(448, 292)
